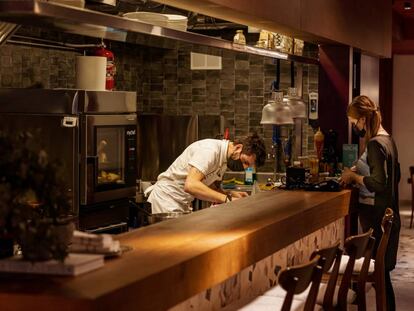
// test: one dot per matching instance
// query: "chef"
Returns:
(194, 173)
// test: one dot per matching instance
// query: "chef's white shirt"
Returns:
(209, 156)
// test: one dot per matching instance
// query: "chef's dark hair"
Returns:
(253, 144)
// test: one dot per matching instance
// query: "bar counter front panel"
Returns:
(175, 260)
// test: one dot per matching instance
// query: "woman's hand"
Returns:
(347, 177)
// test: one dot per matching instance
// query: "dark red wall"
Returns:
(334, 90)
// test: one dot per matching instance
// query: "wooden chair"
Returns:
(294, 280)
(357, 246)
(375, 267)
(333, 257)
(325, 297)
(333, 297)
(411, 181)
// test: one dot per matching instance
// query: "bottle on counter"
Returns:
(248, 179)
(319, 139)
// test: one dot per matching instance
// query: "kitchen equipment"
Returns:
(331, 185)
(295, 177)
(6, 31)
(91, 72)
(178, 22)
(148, 17)
(144, 217)
(110, 66)
(154, 218)
(93, 134)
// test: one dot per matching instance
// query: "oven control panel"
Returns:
(131, 153)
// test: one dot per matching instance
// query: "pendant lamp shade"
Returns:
(296, 104)
(276, 111)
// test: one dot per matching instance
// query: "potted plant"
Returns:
(35, 210)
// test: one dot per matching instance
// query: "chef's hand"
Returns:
(238, 194)
(347, 177)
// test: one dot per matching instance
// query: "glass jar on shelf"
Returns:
(239, 37)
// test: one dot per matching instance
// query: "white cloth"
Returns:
(209, 156)
(278, 291)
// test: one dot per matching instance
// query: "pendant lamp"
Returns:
(296, 103)
(276, 111)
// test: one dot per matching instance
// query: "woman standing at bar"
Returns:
(383, 179)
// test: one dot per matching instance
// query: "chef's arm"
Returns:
(216, 186)
(194, 186)
(234, 194)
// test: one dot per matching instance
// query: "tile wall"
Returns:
(160, 74)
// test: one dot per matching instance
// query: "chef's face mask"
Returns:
(359, 132)
(234, 162)
(235, 165)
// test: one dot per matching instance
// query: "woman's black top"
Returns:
(383, 180)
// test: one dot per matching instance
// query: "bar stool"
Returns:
(411, 181)
(376, 267)
(294, 280)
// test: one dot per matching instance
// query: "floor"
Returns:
(403, 275)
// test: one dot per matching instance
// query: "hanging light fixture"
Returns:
(296, 103)
(276, 111)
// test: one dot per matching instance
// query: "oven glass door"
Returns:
(110, 149)
(108, 158)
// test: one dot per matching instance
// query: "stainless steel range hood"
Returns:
(99, 25)
(6, 31)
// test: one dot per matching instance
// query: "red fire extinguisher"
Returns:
(110, 66)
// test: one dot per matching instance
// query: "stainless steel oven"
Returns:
(108, 157)
(94, 134)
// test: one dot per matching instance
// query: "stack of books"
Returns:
(74, 264)
(83, 242)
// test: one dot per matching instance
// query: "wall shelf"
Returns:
(100, 25)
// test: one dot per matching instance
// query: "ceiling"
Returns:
(402, 27)
(398, 7)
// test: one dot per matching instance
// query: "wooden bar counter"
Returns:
(174, 260)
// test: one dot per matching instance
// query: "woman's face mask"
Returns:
(359, 132)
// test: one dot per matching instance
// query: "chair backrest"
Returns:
(356, 247)
(296, 279)
(386, 226)
(332, 255)
(379, 272)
